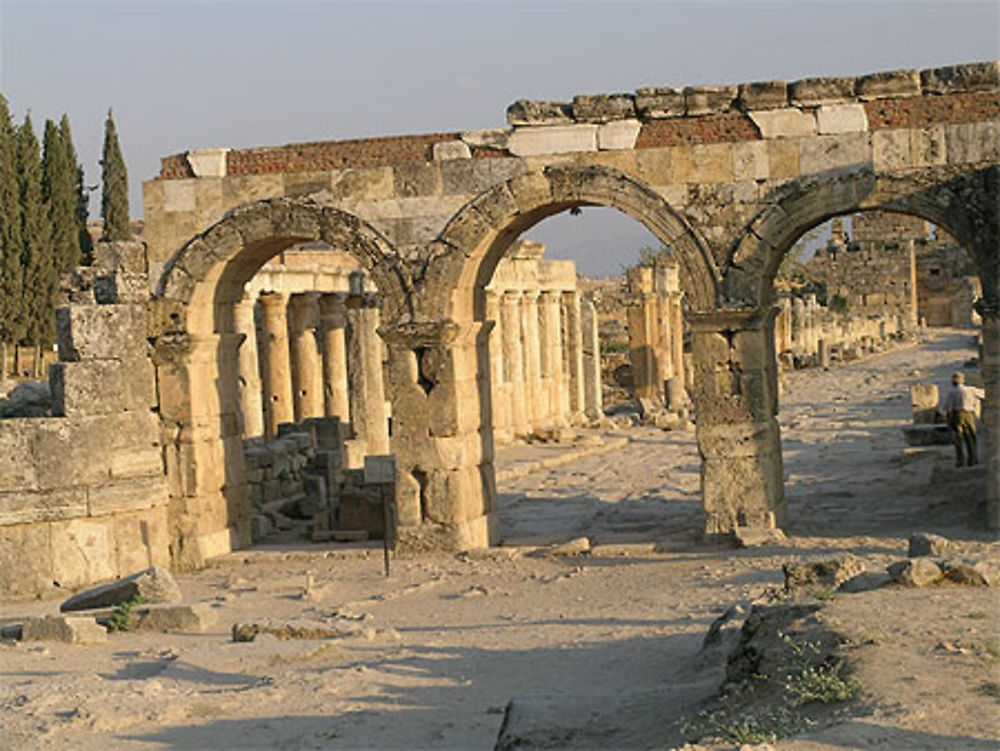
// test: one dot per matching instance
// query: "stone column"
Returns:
(989, 312)
(513, 365)
(277, 379)
(333, 325)
(642, 346)
(251, 398)
(369, 418)
(913, 306)
(535, 395)
(307, 369)
(550, 338)
(576, 394)
(499, 393)
(735, 395)
(592, 396)
(677, 344)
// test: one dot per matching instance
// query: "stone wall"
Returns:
(82, 494)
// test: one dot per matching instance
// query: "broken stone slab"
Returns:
(763, 95)
(828, 573)
(922, 543)
(915, 572)
(891, 84)
(576, 546)
(755, 537)
(953, 79)
(71, 629)
(926, 435)
(970, 572)
(296, 628)
(708, 100)
(154, 585)
(659, 103)
(530, 112)
(197, 617)
(865, 582)
(603, 108)
(727, 623)
(812, 92)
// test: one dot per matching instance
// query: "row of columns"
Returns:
(544, 359)
(805, 328)
(656, 334)
(318, 355)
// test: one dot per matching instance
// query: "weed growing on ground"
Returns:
(123, 616)
(990, 688)
(747, 727)
(977, 615)
(988, 651)
(820, 683)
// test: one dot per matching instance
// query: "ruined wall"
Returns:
(82, 493)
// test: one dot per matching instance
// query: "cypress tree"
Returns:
(82, 199)
(60, 197)
(11, 297)
(36, 236)
(114, 191)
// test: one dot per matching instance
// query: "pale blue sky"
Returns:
(186, 75)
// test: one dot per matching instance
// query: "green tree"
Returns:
(40, 278)
(82, 198)
(11, 276)
(114, 190)
(59, 195)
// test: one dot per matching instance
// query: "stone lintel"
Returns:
(208, 162)
(841, 118)
(788, 122)
(553, 139)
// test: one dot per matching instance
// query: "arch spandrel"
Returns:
(472, 243)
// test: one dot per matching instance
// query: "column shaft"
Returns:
(572, 315)
(535, 396)
(333, 324)
(251, 398)
(369, 417)
(277, 380)
(513, 366)
(307, 371)
(593, 398)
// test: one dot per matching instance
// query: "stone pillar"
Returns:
(913, 306)
(307, 369)
(798, 326)
(333, 324)
(989, 312)
(574, 348)
(676, 322)
(823, 353)
(445, 487)
(535, 396)
(369, 419)
(735, 395)
(512, 360)
(592, 395)
(550, 338)
(251, 398)
(499, 392)
(277, 379)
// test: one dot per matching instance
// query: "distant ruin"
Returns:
(144, 461)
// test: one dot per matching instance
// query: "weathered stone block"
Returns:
(917, 572)
(784, 123)
(25, 560)
(923, 544)
(83, 551)
(16, 440)
(928, 146)
(528, 141)
(891, 150)
(97, 387)
(954, 79)
(26, 506)
(417, 179)
(190, 618)
(380, 470)
(120, 288)
(207, 162)
(889, 85)
(153, 585)
(810, 92)
(447, 150)
(620, 134)
(122, 255)
(762, 95)
(972, 142)
(101, 332)
(827, 573)
(750, 161)
(68, 629)
(659, 103)
(831, 152)
(127, 494)
(783, 158)
(708, 100)
(487, 139)
(841, 118)
(603, 108)
(529, 112)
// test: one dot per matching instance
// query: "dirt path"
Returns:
(446, 642)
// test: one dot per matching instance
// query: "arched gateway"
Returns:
(727, 176)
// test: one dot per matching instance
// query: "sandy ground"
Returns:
(613, 638)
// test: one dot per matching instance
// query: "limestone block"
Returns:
(784, 123)
(530, 141)
(888, 85)
(487, 139)
(924, 544)
(119, 288)
(83, 551)
(659, 103)
(154, 585)
(620, 134)
(16, 441)
(830, 152)
(178, 196)
(763, 95)
(713, 162)
(101, 332)
(708, 100)
(841, 118)
(189, 618)
(954, 79)
(27, 506)
(446, 150)
(380, 470)
(811, 92)
(244, 189)
(142, 539)
(603, 108)
(528, 112)
(831, 572)
(68, 629)
(416, 179)
(99, 387)
(917, 572)
(891, 150)
(750, 161)
(127, 494)
(972, 142)
(365, 184)
(25, 560)
(928, 146)
(121, 255)
(207, 162)
(783, 159)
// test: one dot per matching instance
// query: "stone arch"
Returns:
(475, 239)
(195, 353)
(964, 204)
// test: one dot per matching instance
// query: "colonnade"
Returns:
(314, 354)
(544, 352)
(656, 334)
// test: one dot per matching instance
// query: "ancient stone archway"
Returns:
(196, 355)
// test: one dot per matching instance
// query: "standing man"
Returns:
(960, 406)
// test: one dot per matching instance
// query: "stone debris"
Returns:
(818, 574)
(924, 571)
(916, 572)
(189, 618)
(971, 572)
(297, 628)
(922, 544)
(65, 628)
(154, 585)
(754, 537)
(576, 546)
